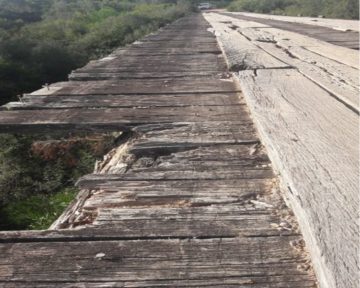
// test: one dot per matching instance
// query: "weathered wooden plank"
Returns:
(84, 76)
(93, 180)
(336, 24)
(152, 141)
(195, 134)
(170, 64)
(340, 54)
(326, 50)
(318, 164)
(182, 136)
(321, 33)
(171, 67)
(195, 40)
(203, 59)
(111, 118)
(118, 194)
(212, 221)
(178, 44)
(145, 68)
(101, 68)
(346, 56)
(197, 159)
(239, 154)
(162, 222)
(124, 101)
(155, 261)
(140, 65)
(339, 79)
(151, 86)
(296, 282)
(241, 54)
(147, 51)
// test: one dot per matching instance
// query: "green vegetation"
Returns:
(218, 3)
(347, 9)
(37, 211)
(37, 175)
(41, 41)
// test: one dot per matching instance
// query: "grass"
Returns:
(37, 212)
(37, 175)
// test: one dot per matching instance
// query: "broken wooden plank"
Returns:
(158, 138)
(197, 159)
(172, 193)
(241, 54)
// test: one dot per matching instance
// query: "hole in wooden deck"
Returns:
(38, 173)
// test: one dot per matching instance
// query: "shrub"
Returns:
(348, 9)
(70, 34)
(37, 175)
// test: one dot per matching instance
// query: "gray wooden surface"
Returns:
(335, 24)
(348, 39)
(308, 117)
(188, 198)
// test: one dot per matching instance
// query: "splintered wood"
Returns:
(188, 199)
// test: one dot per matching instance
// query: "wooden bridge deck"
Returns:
(348, 39)
(304, 97)
(189, 198)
